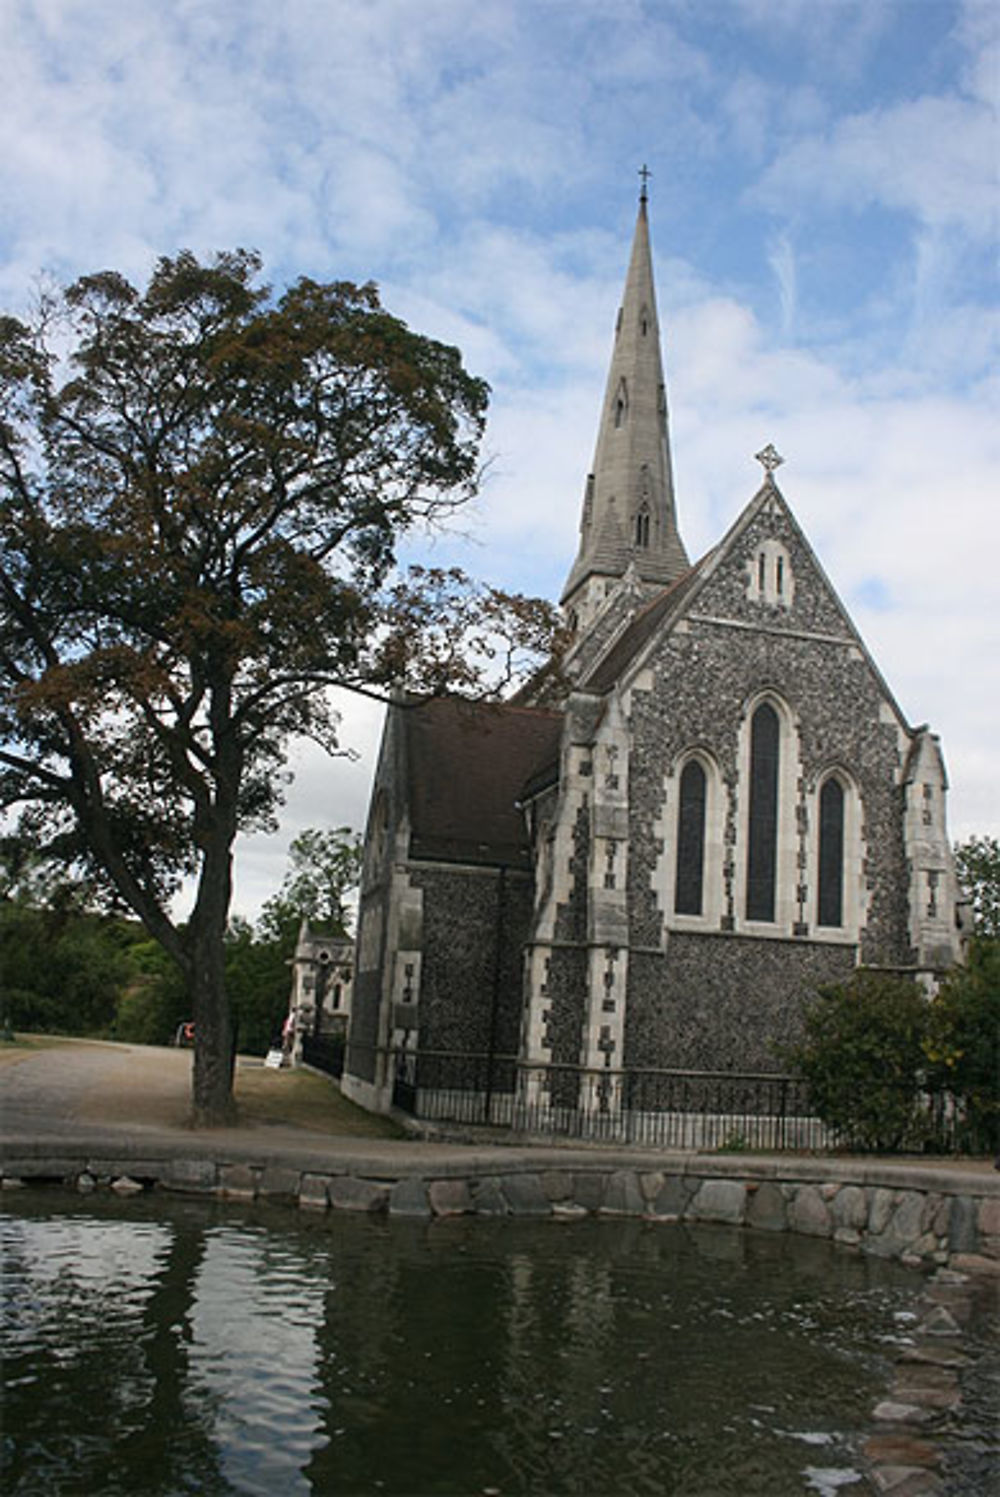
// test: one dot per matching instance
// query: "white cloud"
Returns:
(932, 157)
(478, 161)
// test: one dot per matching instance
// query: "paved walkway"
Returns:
(135, 1099)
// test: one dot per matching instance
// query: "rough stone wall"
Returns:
(564, 999)
(843, 714)
(720, 996)
(723, 1002)
(702, 680)
(571, 913)
(717, 999)
(465, 913)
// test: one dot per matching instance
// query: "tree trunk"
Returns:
(213, 1104)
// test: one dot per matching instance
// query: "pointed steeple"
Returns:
(629, 517)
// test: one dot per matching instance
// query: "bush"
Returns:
(863, 1058)
(963, 1043)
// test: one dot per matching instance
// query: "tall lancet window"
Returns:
(830, 899)
(642, 528)
(762, 840)
(690, 840)
(621, 404)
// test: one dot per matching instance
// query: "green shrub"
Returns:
(862, 1055)
(962, 1044)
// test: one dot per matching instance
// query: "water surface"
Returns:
(165, 1346)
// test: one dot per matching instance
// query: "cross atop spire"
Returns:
(645, 174)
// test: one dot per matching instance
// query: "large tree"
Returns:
(202, 489)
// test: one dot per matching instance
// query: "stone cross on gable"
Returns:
(769, 458)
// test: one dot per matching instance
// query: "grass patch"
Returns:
(301, 1099)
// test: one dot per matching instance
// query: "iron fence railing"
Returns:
(643, 1105)
(325, 1052)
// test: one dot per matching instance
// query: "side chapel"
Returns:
(724, 808)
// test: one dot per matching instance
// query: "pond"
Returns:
(167, 1346)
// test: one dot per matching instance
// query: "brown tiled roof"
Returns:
(467, 764)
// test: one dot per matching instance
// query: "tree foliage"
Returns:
(202, 489)
(963, 1038)
(324, 865)
(887, 1065)
(70, 969)
(324, 868)
(862, 1056)
(978, 863)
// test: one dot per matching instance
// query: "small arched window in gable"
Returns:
(830, 896)
(689, 881)
(762, 839)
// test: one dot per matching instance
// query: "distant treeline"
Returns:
(72, 971)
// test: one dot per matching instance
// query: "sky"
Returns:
(824, 212)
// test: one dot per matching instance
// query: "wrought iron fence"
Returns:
(673, 1109)
(325, 1052)
(666, 1108)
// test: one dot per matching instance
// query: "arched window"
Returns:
(621, 403)
(690, 840)
(762, 838)
(830, 898)
(642, 528)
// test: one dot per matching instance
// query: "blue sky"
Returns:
(824, 207)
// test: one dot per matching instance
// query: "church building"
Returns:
(657, 863)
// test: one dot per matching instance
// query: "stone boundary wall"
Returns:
(924, 1217)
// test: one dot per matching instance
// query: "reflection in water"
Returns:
(191, 1348)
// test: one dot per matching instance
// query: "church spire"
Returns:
(629, 518)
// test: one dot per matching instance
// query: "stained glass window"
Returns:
(830, 910)
(762, 841)
(690, 840)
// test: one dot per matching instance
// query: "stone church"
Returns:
(721, 808)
